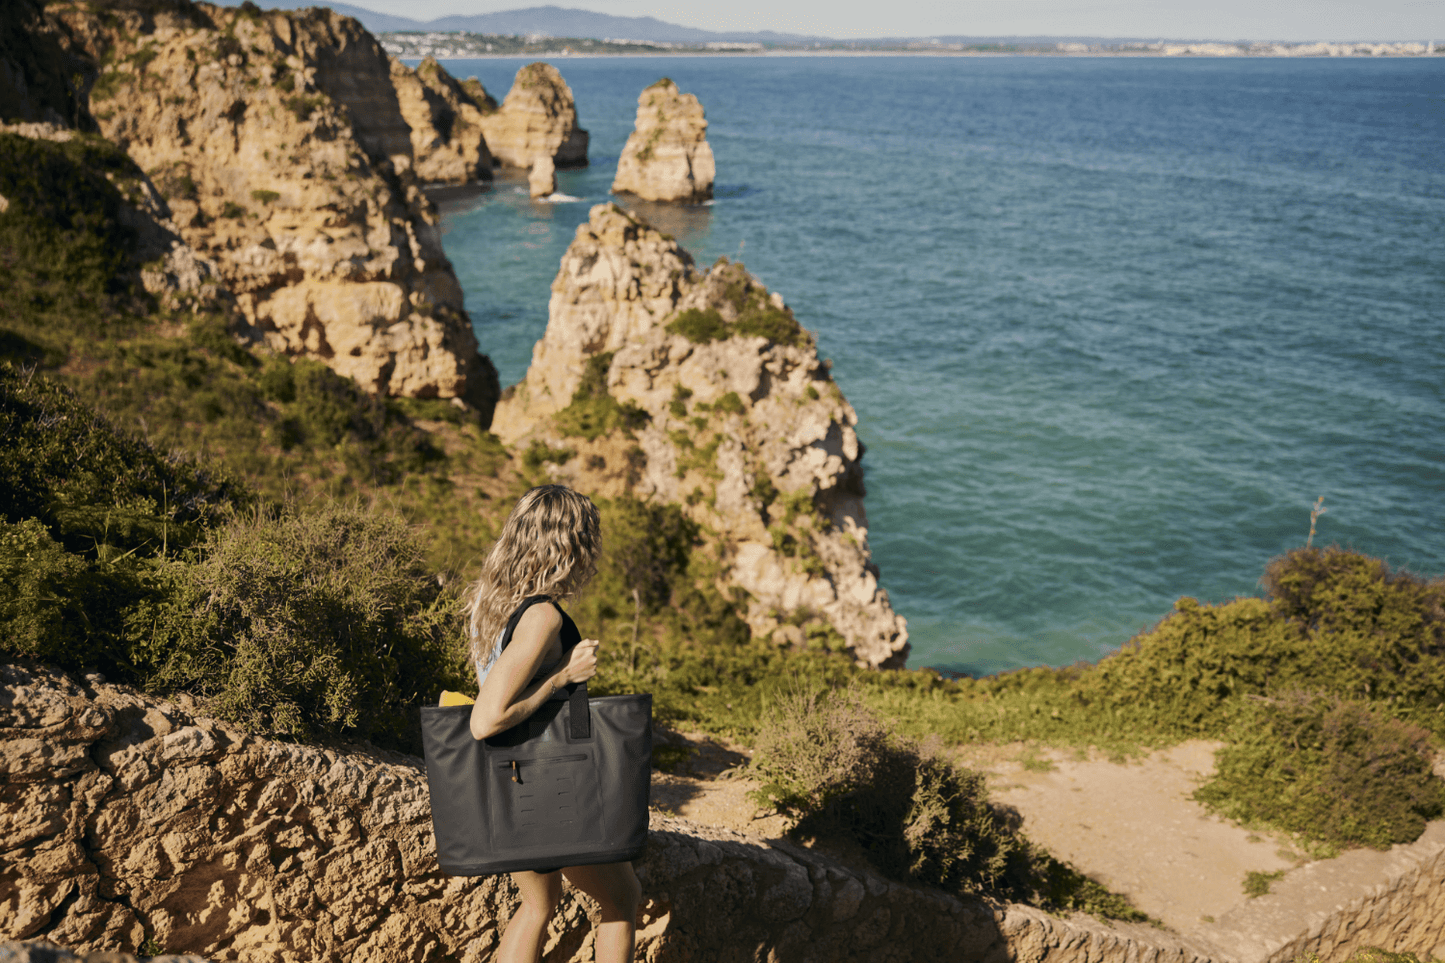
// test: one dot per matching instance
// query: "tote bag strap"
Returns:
(579, 713)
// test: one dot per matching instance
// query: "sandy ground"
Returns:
(1134, 828)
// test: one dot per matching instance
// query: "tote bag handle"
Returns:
(579, 713)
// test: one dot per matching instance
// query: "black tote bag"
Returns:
(568, 786)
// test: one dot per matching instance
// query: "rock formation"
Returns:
(445, 118)
(744, 426)
(279, 144)
(542, 178)
(538, 116)
(667, 157)
(130, 821)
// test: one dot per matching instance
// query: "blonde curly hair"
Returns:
(548, 546)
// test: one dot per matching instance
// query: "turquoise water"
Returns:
(1110, 325)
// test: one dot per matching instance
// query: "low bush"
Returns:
(1335, 771)
(828, 759)
(317, 621)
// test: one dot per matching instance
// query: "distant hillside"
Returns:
(551, 21)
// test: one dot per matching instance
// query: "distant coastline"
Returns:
(466, 45)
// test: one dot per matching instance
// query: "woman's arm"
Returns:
(509, 694)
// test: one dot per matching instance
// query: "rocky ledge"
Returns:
(667, 157)
(129, 821)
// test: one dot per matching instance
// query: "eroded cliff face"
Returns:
(278, 142)
(734, 417)
(126, 819)
(445, 118)
(667, 157)
(538, 118)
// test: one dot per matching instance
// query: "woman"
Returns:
(547, 551)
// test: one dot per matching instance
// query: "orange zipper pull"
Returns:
(516, 773)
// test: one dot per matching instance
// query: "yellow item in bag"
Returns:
(450, 698)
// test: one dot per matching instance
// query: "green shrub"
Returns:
(700, 326)
(1257, 884)
(302, 106)
(265, 197)
(97, 490)
(1337, 772)
(320, 621)
(825, 757)
(593, 412)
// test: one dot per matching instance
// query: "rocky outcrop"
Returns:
(130, 821)
(445, 118)
(737, 420)
(542, 178)
(537, 117)
(667, 157)
(278, 142)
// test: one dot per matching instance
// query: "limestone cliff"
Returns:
(734, 417)
(445, 118)
(279, 144)
(667, 157)
(126, 820)
(538, 117)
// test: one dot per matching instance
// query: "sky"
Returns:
(1175, 19)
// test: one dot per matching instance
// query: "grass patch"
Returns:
(593, 412)
(1257, 884)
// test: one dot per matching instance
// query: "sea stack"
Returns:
(538, 116)
(726, 410)
(542, 179)
(445, 118)
(667, 158)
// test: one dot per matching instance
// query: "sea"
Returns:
(1112, 326)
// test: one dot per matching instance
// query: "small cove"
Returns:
(1110, 325)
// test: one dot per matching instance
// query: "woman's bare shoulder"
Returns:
(543, 619)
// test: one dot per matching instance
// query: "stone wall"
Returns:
(126, 819)
(1336, 907)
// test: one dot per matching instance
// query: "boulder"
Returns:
(744, 426)
(542, 179)
(131, 821)
(667, 157)
(538, 116)
(445, 118)
(278, 142)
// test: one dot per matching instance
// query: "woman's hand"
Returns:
(581, 663)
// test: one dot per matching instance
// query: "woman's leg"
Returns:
(522, 942)
(615, 888)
